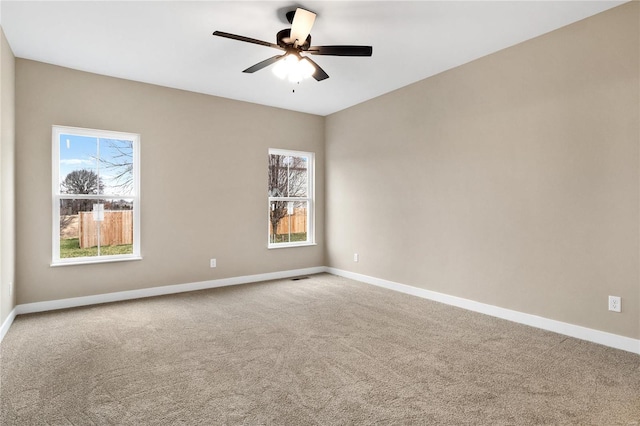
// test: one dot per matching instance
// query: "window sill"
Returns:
(289, 245)
(94, 261)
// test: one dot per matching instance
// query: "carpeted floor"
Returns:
(325, 351)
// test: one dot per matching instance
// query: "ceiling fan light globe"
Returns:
(281, 69)
(291, 60)
(289, 66)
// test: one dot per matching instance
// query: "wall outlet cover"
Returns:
(615, 304)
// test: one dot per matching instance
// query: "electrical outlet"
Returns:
(356, 257)
(212, 263)
(615, 304)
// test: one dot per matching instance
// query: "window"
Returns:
(96, 210)
(290, 198)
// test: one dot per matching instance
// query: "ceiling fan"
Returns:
(294, 42)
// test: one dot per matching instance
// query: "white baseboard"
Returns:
(51, 305)
(579, 332)
(7, 323)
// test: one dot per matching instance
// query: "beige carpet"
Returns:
(324, 351)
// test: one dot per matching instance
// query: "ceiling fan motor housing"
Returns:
(283, 40)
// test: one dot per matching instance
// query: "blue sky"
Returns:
(81, 152)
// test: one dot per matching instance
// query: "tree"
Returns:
(119, 163)
(81, 181)
(287, 178)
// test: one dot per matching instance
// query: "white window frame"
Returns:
(310, 199)
(58, 196)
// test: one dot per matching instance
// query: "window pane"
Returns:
(288, 176)
(78, 165)
(116, 166)
(89, 165)
(297, 176)
(288, 221)
(90, 228)
(277, 176)
(116, 230)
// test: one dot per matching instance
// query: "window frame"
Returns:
(310, 199)
(57, 195)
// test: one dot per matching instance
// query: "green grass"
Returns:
(284, 238)
(71, 248)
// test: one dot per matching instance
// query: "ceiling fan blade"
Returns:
(246, 39)
(319, 73)
(301, 26)
(341, 50)
(263, 64)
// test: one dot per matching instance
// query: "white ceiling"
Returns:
(169, 43)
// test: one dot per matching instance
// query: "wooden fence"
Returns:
(298, 223)
(115, 229)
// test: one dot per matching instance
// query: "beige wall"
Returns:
(512, 180)
(203, 181)
(7, 181)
